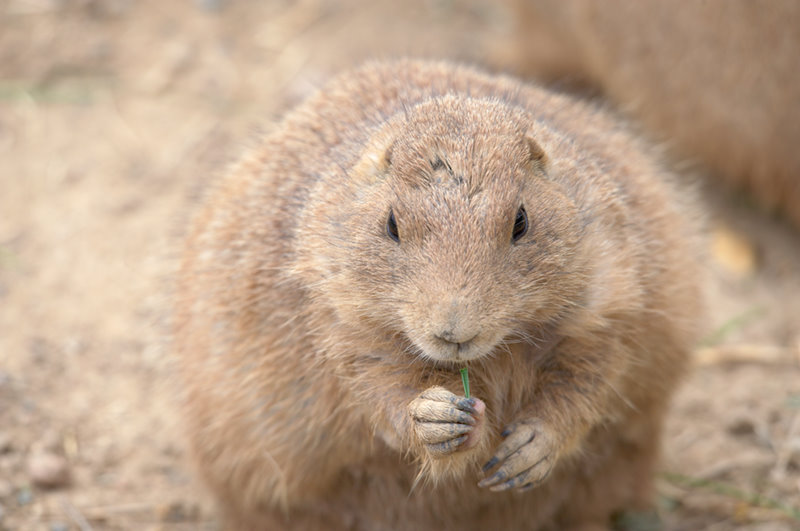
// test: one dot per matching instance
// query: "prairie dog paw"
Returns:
(524, 459)
(445, 422)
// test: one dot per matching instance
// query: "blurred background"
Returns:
(115, 114)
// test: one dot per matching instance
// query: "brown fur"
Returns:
(718, 80)
(317, 392)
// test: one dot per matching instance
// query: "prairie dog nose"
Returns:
(452, 321)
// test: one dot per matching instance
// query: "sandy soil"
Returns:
(115, 114)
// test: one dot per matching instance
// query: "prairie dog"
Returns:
(717, 80)
(408, 219)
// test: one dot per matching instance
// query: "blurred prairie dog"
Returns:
(717, 80)
(409, 219)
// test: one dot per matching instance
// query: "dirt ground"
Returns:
(114, 115)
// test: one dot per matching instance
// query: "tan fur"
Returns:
(717, 80)
(316, 387)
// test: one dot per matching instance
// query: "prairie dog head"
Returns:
(448, 234)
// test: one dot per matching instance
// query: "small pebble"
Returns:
(741, 426)
(24, 496)
(5, 443)
(173, 512)
(734, 252)
(59, 526)
(48, 470)
(210, 5)
(178, 511)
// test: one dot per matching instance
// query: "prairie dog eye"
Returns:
(520, 225)
(391, 227)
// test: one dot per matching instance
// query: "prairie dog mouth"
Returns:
(538, 344)
(466, 349)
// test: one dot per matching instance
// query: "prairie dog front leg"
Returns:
(445, 423)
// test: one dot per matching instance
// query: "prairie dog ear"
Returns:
(375, 161)
(536, 154)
